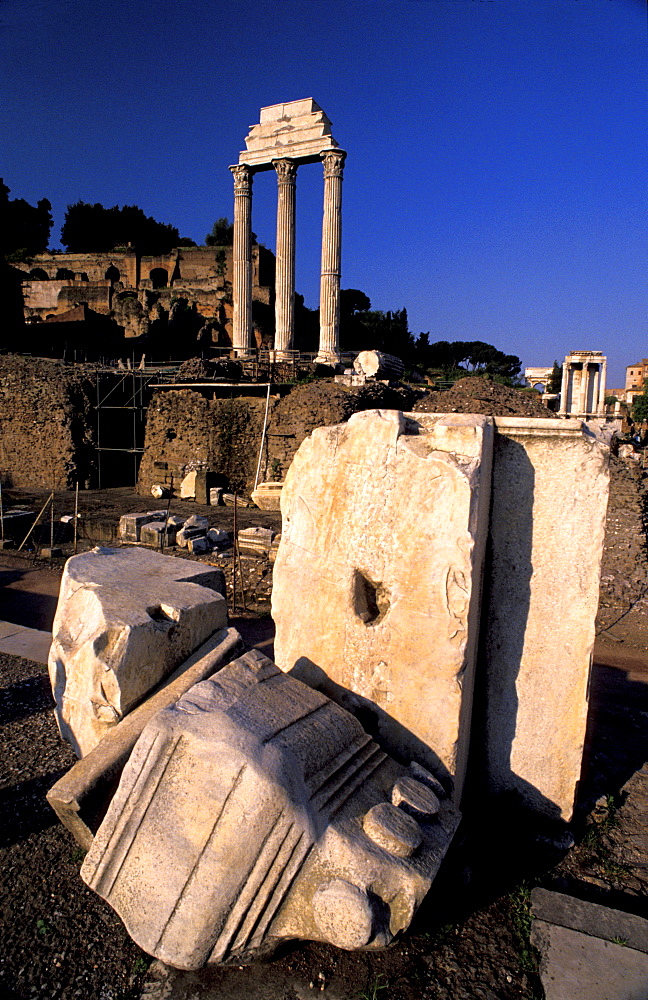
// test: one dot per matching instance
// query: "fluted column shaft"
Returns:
(242, 339)
(285, 263)
(601, 398)
(329, 345)
(582, 399)
(564, 389)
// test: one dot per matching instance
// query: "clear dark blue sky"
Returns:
(496, 176)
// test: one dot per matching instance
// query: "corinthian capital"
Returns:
(286, 171)
(333, 162)
(242, 178)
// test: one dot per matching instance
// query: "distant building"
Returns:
(582, 393)
(636, 375)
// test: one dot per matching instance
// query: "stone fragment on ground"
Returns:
(325, 856)
(125, 619)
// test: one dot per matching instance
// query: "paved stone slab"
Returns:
(590, 918)
(576, 966)
(31, 643)
(376, 593)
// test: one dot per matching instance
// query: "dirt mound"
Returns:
(480, 395)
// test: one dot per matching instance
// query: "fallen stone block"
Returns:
(376, 364)
(81, 797)
(188, 487)
(125, 619)
(130, 525)
(199, 544)
(256, 540)
(215, 495)
(326, 854)
(376, 592)
(157, 533)
(267, 496)
(218, 537)
(197, 521)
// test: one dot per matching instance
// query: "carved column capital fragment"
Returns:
(286, 171)
(333, 162)
(242, 179)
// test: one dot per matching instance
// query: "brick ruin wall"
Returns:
(184, 430)
(46, 424)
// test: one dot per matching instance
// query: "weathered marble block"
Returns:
(81, 797)
(125, 619)
(550, 493)
(254, 811)
(130, 525)
(155, 531)
(255, 540)
(378, 575)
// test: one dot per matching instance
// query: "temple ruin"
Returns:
(286, 136)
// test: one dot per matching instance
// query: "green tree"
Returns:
(555, 381)
(24, 229)
(640, 405)
(221, 233)
(95, 229)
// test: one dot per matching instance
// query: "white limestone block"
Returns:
(377, 580)
(238, 824)
(255, 539)
(550, 492)
(188, 487)
(125, 619)
(130, 525)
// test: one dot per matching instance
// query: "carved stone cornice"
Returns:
(242, 178)
(286, 171)
(333, 162)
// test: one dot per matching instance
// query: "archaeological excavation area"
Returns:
(414, 759)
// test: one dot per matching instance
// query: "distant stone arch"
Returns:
(540, 386)
(159, 277)
(38, 274)
(64, 274)
(112, 274)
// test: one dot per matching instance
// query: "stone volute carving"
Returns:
(340, 842)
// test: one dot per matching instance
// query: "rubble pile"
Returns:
(623, 569)
(477, 394)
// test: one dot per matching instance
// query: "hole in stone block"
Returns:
(161, 614)
(370, 600)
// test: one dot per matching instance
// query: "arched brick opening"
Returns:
(159, 277)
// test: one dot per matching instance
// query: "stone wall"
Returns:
(46, 424)
(185, 429)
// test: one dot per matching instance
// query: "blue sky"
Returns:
(496, 176)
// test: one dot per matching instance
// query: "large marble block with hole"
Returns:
(377, 580)
(125, 619)
(340, 843)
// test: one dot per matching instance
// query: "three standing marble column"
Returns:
(286, 170)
